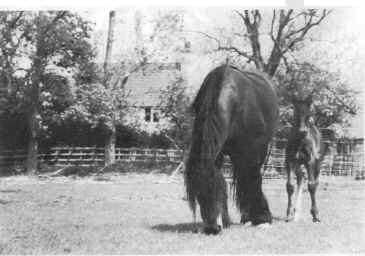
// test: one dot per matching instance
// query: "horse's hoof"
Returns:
(296, 217)
(212, 230)
(245, 219)
(264, 218)
(289, 216)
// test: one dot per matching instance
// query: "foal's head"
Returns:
(303, 119)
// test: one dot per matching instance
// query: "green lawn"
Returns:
(139, 214)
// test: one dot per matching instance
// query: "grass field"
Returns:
(139, 214)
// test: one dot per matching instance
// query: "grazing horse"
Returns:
(236, 114)
(304, 147)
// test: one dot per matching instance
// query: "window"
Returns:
(147, 114)
(155, 117)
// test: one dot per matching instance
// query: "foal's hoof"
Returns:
(316, 219)
(247, 224)
(212, 230)
(264, 225)
(226, 223)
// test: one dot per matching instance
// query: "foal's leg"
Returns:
(289, 190)
(298, 204)
(290, 168)
(313, 173)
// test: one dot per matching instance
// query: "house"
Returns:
(144, 92)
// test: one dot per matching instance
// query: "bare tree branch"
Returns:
(277, 52)
(301, 32)
(253, 34)
(236, 50)
(225, 48)
(205, 34)
(284, 33)
(16, 19)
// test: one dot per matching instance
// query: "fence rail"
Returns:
(338, 164)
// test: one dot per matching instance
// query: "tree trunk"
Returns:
(110, 146)
(273, 63)
(110, 139)
(32, 151)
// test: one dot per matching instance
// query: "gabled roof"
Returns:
(144, 88)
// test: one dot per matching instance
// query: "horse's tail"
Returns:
(189, 184)
(205, 138)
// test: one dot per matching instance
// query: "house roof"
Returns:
(144, 88)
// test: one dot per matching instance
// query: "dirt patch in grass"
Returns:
(138, 214)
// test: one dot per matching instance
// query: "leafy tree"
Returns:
(104, 103)
(41, 52)
(176, 108)
(333, 101)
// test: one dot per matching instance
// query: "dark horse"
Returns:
(304, 147)
(236, 114)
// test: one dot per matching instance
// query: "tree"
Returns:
(333, 100)
(274, 42)
(39, 48)
(287, 30)
(104, 106)
(110, 136)
(177, 110)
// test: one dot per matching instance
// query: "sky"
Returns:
(344, 23)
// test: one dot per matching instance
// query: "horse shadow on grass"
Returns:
(179, 228)
(10, 191)
(194, 227)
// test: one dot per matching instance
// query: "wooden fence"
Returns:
(86, 156)
(335, 163)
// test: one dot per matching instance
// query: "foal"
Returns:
(304, 148)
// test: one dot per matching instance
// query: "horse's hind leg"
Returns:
(313, 173)
(226, 221)
(259, 211)
(298, 203)
(240, 182)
